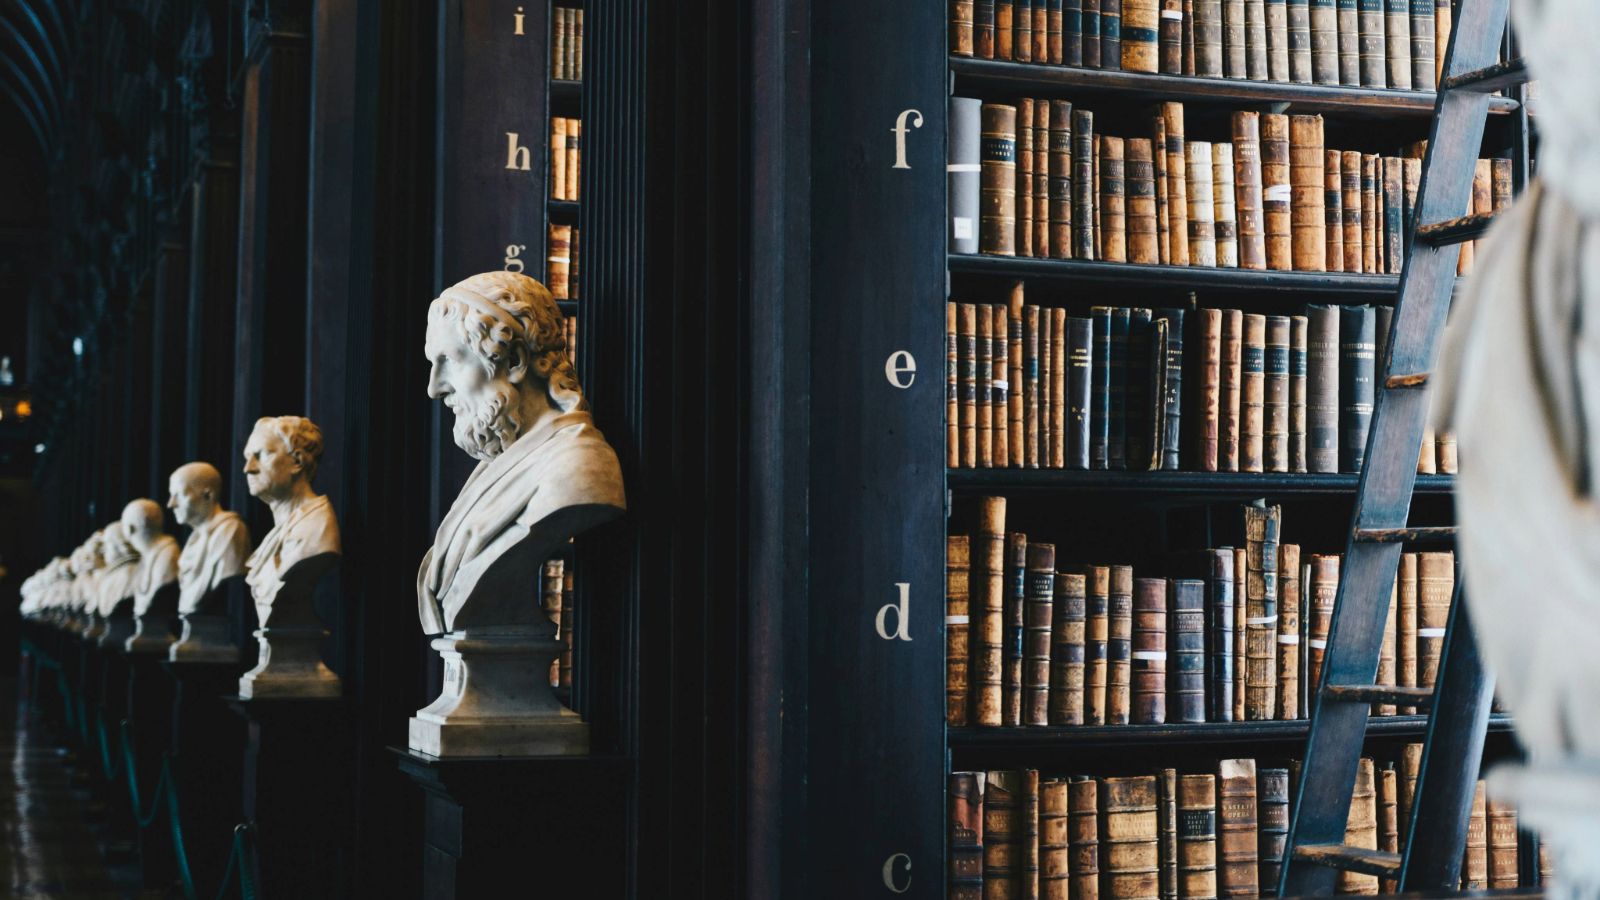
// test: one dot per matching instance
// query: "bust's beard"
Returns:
(486, 424)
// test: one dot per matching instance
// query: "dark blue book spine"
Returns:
(1357, 353)
(1100, 389)
(1117, 442)
(1172, 390)
(1110, 34)
(1072, 32)
(1139, 426)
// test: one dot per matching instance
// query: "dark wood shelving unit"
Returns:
(978, 76)
(568, 307)
(564, 91)
(564, 210)
(1299, 284)
(1187, 484)
(1056, 739)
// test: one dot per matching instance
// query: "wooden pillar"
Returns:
(168, 359)
(209, 336)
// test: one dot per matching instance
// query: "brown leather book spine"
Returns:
(1041, 178)
(574, 157)
(1441, 36)
(1149, 663)
(1171, 37)
(1235, 58)
(967, 337)
(1248, 190)
(1129, 839)
(1386, 652)
(1197, 837)
(1226, 211)
(1482, 192)
(568, 597)
(1002, 833)
(983, 29)
(1240, 566)
(1058, 388)
(1261, 610)
(1275, 403)
(1300, 41)
(1252, 405)
(1141, 29)
(1237, 853)
(1189, 37)
(1290, 605)
(1177, 184)
(1024, 175)
(1202, 206)
(1016, 394)
(1393, 189)
(1055, 847)
(1113, 211)
(1278, 40)
(961, 27)
(1255, 39)
(1475, 863)
(1028, 884)
(1083, 186)
(952, 378)
(1119, 645)
(966, 836)
(1371, 216)
(1350, 210)
(1445, 444)
(558, 269)
(1299, 337)
(957, 559)
(1060, 184)
(1055, 34)
(1037, 615)
(1167, 831)
(1022, 30)
(1406, 625)
(1208, 38)
(1333, 208)
(1099, 188)
(1067, 651)
(1499, 184)
(1015, 613)
(1031, 371)
(985, 375)
(1231, 386)
(997, 181)
(1272, 805)
(1410, 769)
(1436, 581)
(1209, 360)
(1361, 828)
(999, 383)
(1324, 590)
(1547, 864)
(1158, 164)
(1083, 831)
(1388, 819)
(988, 606)
(1349, 43)
(558, 158)
(1397, 26)
(1276, 191)
(1324, 42)
(1503, 845)
(1097, 624)
(1307, 213)
(1041, 32)
(1143, 237)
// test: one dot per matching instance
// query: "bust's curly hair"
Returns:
(301, 436)
(538, 340)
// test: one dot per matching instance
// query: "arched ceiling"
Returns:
(35, 49)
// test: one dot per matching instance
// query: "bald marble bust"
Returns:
(219, 541)
(280, 462)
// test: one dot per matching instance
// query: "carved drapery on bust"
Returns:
(219, 541)
(121, 566)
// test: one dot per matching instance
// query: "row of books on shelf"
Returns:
(561, 262)
(566, 146)
(1035, 178)
(1033, 387)
(1190, 835)
(555, 589)
(1035, 639)
(1375, 44)
(566, 45)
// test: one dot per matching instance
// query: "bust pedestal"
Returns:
(207, 742)
(289, 663)
(152, 629)
(149, 712)
(205, 638)
(497, 700)
(118, 627)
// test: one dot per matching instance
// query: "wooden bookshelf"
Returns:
(565, 92)
(1208, 485)
(1301, 284)
(1059, 739)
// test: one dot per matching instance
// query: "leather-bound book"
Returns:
(1349, 44)
(1237, 853)
(561, 24)
(1083, 832)
(1324, 42)
(1186, 639)
(1357, 349)
(983, 13)
(1499, 184)
(1197, 837)
(1252, 239)
(1278, 40)
(1386, 652)
(1167, 831)
(1291, 602)
(1129, 839)
(1042, 123)
(1361, 828)
(1016, 399)
(1300, 41)
(1072, 32)
(985, 374)
(1298, 335)
(1410, 766)
(1230, 413)
(1055, 847)
(1055, 50)
(1024, 173)
(1138, 419)
(1149, 663)
(966, 836)
(962, 177)
(1097, 630)
(1058, 388)
(1503, 845)
(1442, 21)
(1255, 39)
(1482, 204)
(952, 378)
(1240, 625)
(1047, 362)
(1351, 209)
(558, 260)
(1037, 619)
(1324, 590)
(1391, 189)
(1171, 37)
(1333, 208)
(1406, 625)
(1273, 833)
(564, 680)
(1410, 184)
(1119, 645)
(1207, 357)
(1177, 184)
(1307, 213)
(1158, 160)
(957, 560)
(1100, 388)
(1014, 611)
(1276, 396)
(1547, 864)
(997, 179)
(1002, 833)
(967, 340)
(1091, 34)
(1388, 819)
(1202, 205)
(1445, 443)
(1028, 883)
(1041, 29)
(1322, 388)
(1261, 610)
(1079, 344)
(1373, 43)
(1005, 29)
(1113, 211)
(1423, 72)
(1475, 862)
(1083, 187)
(1143, 244)
(1117, 442)
(1397, 29)
(1372, 226)
(574, 156)
(1111, 34)
(1235, 59)
(1276, 191)
(1168, 445)
(1226, 226)
(1030, 383)
(1060, 186)
(1252, 422)
(999, 383)
(987, 606)
(1219, 634)
(1188, 37)
(1067, 652)
(960, 27)
(1141, 30)
(1436, 581)
(1208, 38)
(558, 158)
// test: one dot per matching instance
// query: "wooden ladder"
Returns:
(1458, 705)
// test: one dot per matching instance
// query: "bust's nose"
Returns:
(437, 387)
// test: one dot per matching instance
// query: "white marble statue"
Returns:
(545, 473)
(116, 585)
(83, 598)
(218, 545)
(280, 461)
(155, 586)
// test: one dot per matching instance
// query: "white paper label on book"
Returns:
(1176, 14)
(961, 226)
(1318, 644)
(1288, 638)
(1151, 655)
(1430, 632)
(1262, 620)
(956, 620)
(1277, 193)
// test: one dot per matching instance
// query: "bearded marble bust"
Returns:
(280, 462)
(219, 541)
(545, 473)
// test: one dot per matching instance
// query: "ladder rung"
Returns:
(1417, 379)
(1379, 693)
(1455, 231)
(1488, 79)
(1351, 859)
(1405, 535)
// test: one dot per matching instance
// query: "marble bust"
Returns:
(116, 585)
(155, 599)
(280, 461)
(219, 540)
(545, 473)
